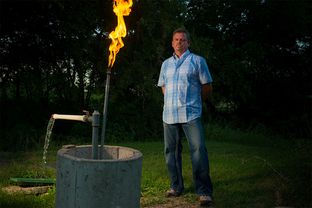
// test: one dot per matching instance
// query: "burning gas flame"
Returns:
(121, 8)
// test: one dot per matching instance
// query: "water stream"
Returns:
(47, 140)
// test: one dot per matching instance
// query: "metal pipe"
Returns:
(70, 117)
(108, 73)
(95, 133)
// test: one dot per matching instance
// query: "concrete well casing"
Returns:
(111, 182)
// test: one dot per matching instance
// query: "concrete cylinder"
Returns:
(112, 182)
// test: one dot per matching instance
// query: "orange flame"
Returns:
(121, 8)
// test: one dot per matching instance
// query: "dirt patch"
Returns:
(177, 202)
(26, 190)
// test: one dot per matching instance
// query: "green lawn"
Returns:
(247, 169)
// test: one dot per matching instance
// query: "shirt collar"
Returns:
(186, 53)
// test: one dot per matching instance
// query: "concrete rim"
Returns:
(67, 154)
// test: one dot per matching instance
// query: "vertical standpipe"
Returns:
(108, 73)
(95, 133)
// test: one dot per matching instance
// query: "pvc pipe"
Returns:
(70, 117)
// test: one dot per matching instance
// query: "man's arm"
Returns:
(163, 89)
(206, 91)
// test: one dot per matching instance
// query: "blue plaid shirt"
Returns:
(182, 78)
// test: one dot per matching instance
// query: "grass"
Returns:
(248, 169)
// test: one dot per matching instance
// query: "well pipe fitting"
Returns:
(94, 119)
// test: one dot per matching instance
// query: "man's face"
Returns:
(180, 43)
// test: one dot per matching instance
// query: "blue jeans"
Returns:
(194, 133)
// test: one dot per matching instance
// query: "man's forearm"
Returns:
(206, 91)
(163, 89)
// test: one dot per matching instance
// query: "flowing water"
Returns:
(47, 140)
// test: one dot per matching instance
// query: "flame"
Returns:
(121, 8)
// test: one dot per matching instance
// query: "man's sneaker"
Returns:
(205, 200)
(172, 193)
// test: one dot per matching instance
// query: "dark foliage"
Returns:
(54, 57)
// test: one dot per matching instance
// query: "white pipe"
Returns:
(70, 117)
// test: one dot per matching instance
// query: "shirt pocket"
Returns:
(188, 75)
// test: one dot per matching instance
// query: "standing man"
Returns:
(185, 81)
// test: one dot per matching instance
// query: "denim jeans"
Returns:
(194, 133)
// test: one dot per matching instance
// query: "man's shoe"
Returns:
(172, 193)
(205, 200)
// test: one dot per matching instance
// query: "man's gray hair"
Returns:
(182, 30)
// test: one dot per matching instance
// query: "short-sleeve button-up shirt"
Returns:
(182, 78)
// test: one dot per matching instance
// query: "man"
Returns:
(185, 81)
